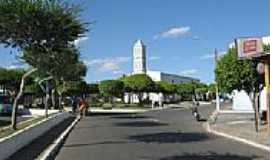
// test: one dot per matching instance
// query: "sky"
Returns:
(180, 35)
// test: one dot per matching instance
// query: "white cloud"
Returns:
(80, 40)
(15, 65)
(12, 67)
(153, 58)
(174, 32)
(211, 56)
(108, 64)
(189, 72)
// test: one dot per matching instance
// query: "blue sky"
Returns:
(180, 35)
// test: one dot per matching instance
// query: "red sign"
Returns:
(250, 46)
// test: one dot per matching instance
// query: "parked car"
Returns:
(5, 104)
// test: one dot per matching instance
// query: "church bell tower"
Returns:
(139, 58)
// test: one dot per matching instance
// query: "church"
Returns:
(140, 67)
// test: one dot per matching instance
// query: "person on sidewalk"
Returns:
(83, 107)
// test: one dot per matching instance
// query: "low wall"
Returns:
(11, 144)
(36, 112)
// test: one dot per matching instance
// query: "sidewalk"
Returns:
(240, 127)
(39, 145)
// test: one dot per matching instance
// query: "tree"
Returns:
(201, 92)
(185, 90)
(111, 88)
(166, 87)
(79, 88)
(233, 74)
(266, 48)
(93, 88)
(211, 91)
(139, 84)
(10, 80)
(22, 27)
(74, 70)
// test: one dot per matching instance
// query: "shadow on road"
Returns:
(170, 137)
(210, 156)
(91, 114)
(140, 124)
(94, 144)
(130, 117)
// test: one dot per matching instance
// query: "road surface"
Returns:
(169, 134)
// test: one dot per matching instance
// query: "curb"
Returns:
(242, 140)
(53, 149)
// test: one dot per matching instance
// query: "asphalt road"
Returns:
(170, 134)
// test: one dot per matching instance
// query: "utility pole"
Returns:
(217, 92)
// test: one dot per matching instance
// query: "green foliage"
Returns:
(10, 79)
(212, 88)
(23, 24)
(76, 88)
(232, 73)
(47, 47)
(93, 88)
(111, 88)
(201, 90)
(266, 48)
(138, 83)
(166, 87)
(33, 89)
(186, 90)
(10, 76)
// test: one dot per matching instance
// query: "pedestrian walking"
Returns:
(83, 107)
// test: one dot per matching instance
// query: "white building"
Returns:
(139, 58)
(170, 78)
(140, 67)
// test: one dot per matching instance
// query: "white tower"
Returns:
(139, 58)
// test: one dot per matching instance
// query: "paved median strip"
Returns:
(52, 150)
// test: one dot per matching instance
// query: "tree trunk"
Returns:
(18, 96)
(254, 99)
(47, 91)
(53, 98)
(60, 101)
